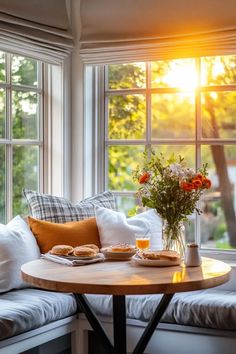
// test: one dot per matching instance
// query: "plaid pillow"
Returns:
(60, 210)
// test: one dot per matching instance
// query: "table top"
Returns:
(124, 277)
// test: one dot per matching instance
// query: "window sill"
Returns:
(226, 256)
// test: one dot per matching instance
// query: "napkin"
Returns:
(73, 262)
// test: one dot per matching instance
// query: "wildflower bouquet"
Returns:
(172, 189)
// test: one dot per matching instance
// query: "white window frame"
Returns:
(9, 142)
(54, 130)
(96, 126)
(57, 130)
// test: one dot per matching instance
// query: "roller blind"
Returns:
(114, 31)
(37, 28)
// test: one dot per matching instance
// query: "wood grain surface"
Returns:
(124, 277)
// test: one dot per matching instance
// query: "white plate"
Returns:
(155, 263)
(118, 256)
(74, 258)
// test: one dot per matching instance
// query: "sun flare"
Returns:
(182, 76)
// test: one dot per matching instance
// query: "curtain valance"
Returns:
(114, 31)
(38, 28)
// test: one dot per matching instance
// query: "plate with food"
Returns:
(84, 252)
(119, 252)
(161, 258)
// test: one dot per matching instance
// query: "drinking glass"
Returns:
(142, 242)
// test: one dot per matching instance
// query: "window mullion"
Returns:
(101, 119)
(198, 127)
(148, 107)
(9, 152)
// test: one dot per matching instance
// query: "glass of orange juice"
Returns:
(142, 242)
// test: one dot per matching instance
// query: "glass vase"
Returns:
(173, 237)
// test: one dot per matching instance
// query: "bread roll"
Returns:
(91, 245)
(161, 255)
(121, 248)
(61, 250)
(82, 251)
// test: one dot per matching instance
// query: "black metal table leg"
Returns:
(150, 328)
(94, 322)
(119, 324)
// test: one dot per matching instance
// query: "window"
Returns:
(21, 131)
(185, 106)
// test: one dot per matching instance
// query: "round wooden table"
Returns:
(120, 278)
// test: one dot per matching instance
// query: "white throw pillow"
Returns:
(114, 227)
(17, 246)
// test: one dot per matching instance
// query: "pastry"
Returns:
(82, 251)
(121, 248)
(61, 250)
(91, 245)
(160, 255)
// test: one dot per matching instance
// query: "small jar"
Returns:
(192, 256)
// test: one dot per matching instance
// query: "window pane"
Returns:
(2, 184)
(127, 76)
(126, 204)
(24, 71)
(127, 117)
(25, 115)
(218, 223)
(122, 161)
(186, 151)
(173, 116)
(218, 70)
(218, 115)
(2, 67)
(25, 175)
(190, 229)
(2, 113)
(179, 73)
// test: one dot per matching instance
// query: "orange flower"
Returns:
(196, 182)
(187, 186)
(144, 178)
(206, 183)
(199, 176)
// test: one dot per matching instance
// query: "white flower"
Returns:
(177, 169)
(189, 172)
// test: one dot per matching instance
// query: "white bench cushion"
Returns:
(207, 308)
(26, 309)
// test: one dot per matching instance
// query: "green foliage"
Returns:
(2, 67)
(24, 111)
(24, 71)
(126, 76)
(122, 160)
(223, 245)
(220, 231)
(127, 117)
(25, 174)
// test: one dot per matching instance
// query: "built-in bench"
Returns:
(31, 317)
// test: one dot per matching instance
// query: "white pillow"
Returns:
(114, 227)
(17, 246)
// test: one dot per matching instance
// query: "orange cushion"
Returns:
(75, 233)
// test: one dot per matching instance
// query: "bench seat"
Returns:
(26, 309)
(210, 308)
